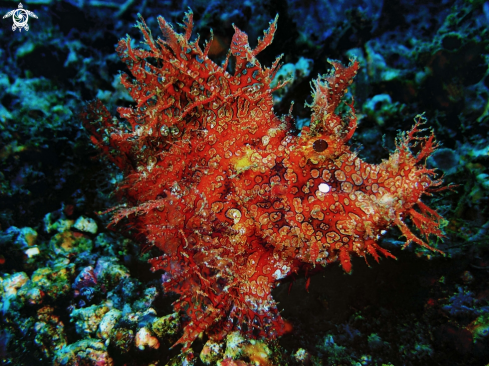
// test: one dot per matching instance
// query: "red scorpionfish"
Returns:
(231, 196)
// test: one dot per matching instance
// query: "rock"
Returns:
(14, 282)
(70, 243)
(87, 352)
(107, 323)
(212, 352)
(49, 329)
(87, 320)
(86, 224)
(145, 338)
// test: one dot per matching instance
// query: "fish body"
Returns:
(234, 199)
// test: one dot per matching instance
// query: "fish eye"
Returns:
(320, 145)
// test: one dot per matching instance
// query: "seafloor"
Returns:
(76, 293)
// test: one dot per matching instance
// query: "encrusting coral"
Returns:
(232, 197)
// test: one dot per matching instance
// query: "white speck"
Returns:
(324, 188)
(278, 275)
(383, 231)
